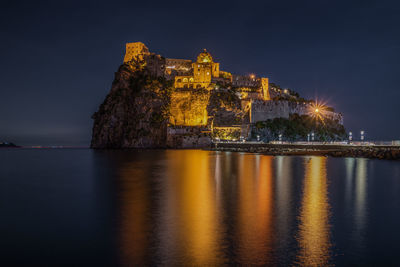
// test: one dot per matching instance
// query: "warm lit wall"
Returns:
(134, 50)
(265, 89)
(189, 108)
(202, 72)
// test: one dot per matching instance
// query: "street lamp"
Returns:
(258, 138)
(362, 135)
(308, 137)
(280, 137)
(350, 136)
(312, 136)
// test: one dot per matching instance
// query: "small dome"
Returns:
(204, 57)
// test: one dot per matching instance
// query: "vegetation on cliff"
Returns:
(135, 113)
(296, 128)
(225, 107)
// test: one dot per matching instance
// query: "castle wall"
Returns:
(137, 49)
(188, 137)
(189, 107)
(265, 89)
(178, 66)
(245, 81)
(265, 110)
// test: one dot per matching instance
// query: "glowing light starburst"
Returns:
(317, 111)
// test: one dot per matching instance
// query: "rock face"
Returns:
(189, 107)
(135, 112)
(225, 108)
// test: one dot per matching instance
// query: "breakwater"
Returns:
(334, 150)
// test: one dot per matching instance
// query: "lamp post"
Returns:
(350, 136)
(308, 137)
(312, 136)
(362, 135)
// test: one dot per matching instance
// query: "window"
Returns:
(208, 73)
(185, 80)
(179, 80)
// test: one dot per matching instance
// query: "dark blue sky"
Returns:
(58, 58)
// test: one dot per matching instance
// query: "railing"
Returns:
(342, 143)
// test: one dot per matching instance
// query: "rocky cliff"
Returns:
(135, 113)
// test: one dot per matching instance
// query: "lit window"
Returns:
(208, 73)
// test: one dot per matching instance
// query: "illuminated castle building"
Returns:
(195, 82)
(204, 73)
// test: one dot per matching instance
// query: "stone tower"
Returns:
(137, 49)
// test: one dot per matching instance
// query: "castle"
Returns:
(195, 82)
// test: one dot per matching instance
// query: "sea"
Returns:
(83, 207)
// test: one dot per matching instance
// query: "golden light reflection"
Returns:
(255, 209)
(314, 228)
(134, 207)
(283, 198)
(192, 208)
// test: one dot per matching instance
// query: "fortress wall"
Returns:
(242, 80)
(178, 64)
(188, 137)
(189, 107)
(136, 49)
(265, 110)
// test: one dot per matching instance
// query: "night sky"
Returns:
(58, 58)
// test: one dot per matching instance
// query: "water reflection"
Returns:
(134, 209)
(314, 228)
(192, 212)
(255, 209)
(173, 208)
(195, 207)
(349, 163)
(360, 205)
(283, 199)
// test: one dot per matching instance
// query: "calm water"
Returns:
(191, 207)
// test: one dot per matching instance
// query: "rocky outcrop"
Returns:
(224, 107)
(135, 112)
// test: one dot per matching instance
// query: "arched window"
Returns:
(191, 80)
(185, 80)
(185, 86)
(179, 80)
